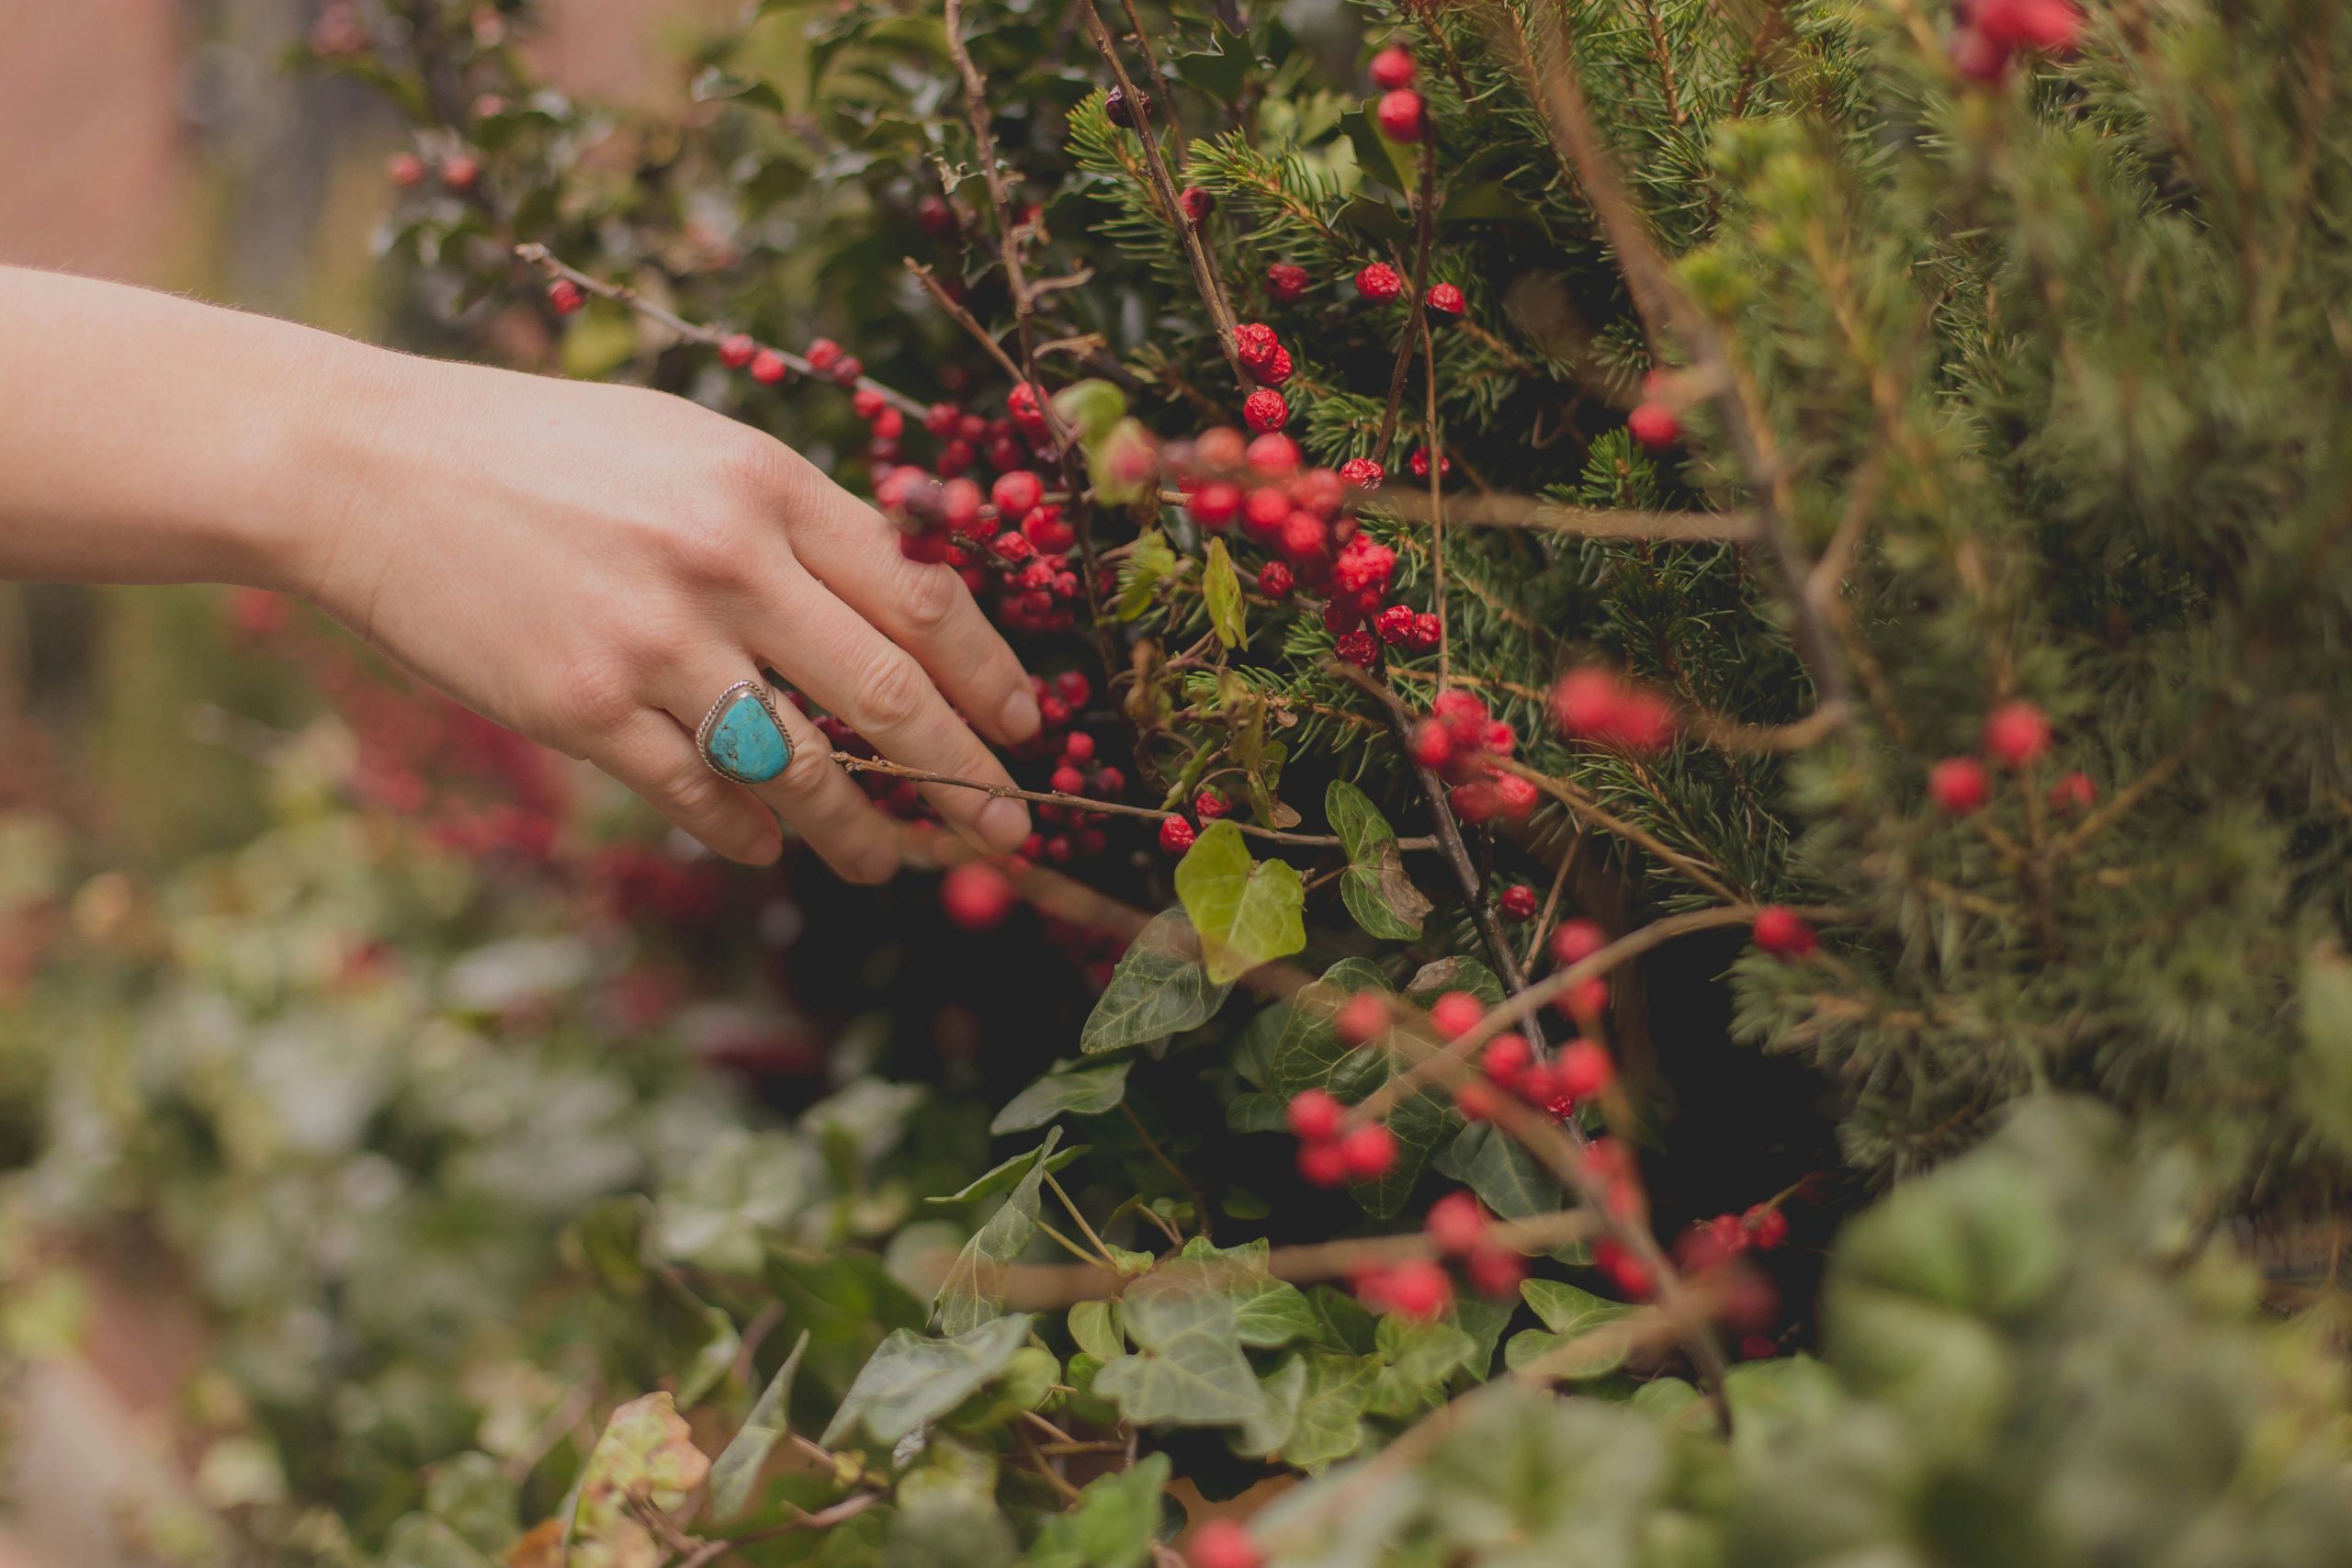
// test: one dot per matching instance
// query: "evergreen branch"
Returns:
(956, 312)
(1540, 516)
(1591, 810)
(1415, 321)
(621, 294)
(1167, 99)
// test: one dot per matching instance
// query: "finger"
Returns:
(925, 609)
(811, 791)
(653, 756)
(827, 650)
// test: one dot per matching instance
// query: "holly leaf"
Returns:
(1570, 1314)
(973, 1291)
(1374, 887)
(912, 1379)
(1068, 1090)
(645, 1460)
(1189, 1370)
(1112, 1523)
(737, 1470)
(1247, 912)
(1221, 587)
(1160, 987)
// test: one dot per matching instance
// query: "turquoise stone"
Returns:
(745, 744)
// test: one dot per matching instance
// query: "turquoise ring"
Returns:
(741, 738)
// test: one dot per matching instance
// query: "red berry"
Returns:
(1455, 1223)
(1587, 999)
(1211, 804)
(1515, 797)
(1767, 1227)
(1214, 505)
(564, 297)
(1121, 112)
(1359, 647)
(1265, 409)
(1362, 1018)
(1276, 370)
(1456, 1013)
(1654, 426)
(404, 170)
(1254, 343)
(1628, 1273)
(1495, 1272)
(1585, 1070)
(1044, 528)
(848, 369)
(1176, 835)
(1419, 464)
(1393, 68)
(822, 355)
(1222, 1543)
(1506, 1060)
(460, 172)
(1322, 1164)
(1016, 494)
(1314, 1115)
(959, 506)
(1273, 456)
(1402, 115)
(1379, 283)
(768, 367)
(2051, 26)
(1958, 784)
(2076, 792)
(1275, 580)
(1781, 932)
(1395, 625)
(976, 896)
(1445, 299)
(1197, 204)
(1576, 941)
(1368, 1152)
(1417, 1288)
(1476, 1099)
(1363, 473)
(1285, 282)
(2017, 734)
(935, 217)
(1518, 901)
(866, 403)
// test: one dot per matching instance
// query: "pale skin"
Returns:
(589, 565)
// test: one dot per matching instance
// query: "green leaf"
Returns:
(714, 1360)
(1434, 980)
(1065, 1091)
(471, 1494)
(1267, 1311)
(1149, 564)
(736, 1469)
(1419, 1360)
(646, 1459)
(419, 1540)
(1003, 1176)
(914, 1379)
(1112, 1524)
(1189, 1370)
(1511, 1181)
(1309, 1054)
(1095, 1327)
(1160, 988)
(1324, 1398)
(1374, 887)
(2326, 1081)
(1570, 1314)
(1222, 590)
(1247, 912)
(973, 1291)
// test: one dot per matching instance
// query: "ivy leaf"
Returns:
(912, 1379)
(736, 1469)
(1570, 1314)
(646, 1459)
(1507, 1178)
(1065, 1091)
(1331, 1406)
(1434, 980)
(1374, 887)
(419, 1540)
(1309, 1054)
(1267, 1311)
(1149, 564)
(1247, 912)
(1189, 1370)
(1160, 988)
(973, 1291)
(714, 1360)
(1004, 1176)
(1110, 1525)
(1221, 587)
(1419, 1360)
(1095, 1327)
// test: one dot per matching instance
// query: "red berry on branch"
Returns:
(1359, 647)
(1476, 1100)
(1393, 68)
(1456, 1013)
(975, 896)
(1474, 803)
(1265, 409)
(2017, 734)
(1287, 282)
(867, 404)
(1420, 464)
(1654, 426)
(822, 355)
(1515, 797)
(564, 297)
(1176, 835)
(1222, 1543)
(768, 367)
(1303, 538)
(1315, 1116)
(1068, 780)
(1455, 1224)
(1395, 625)
(1417, 1288)
(888, 426)
(1432, 743)
(1445, 299)
(1627, 1272)
(736, 349)
(1120, 111)
(1013, 546)
(1518, 901)
(1214, 505)
(1368, 1152)
(1197, 204)
(1275, 580)
(1576, 941)
(1379, 283)
(1322, 1164)
(405, 170)
(1506, 1059)
(460, 172)
(1362, 1019)
(1079, 747)
(959, 507)
(1016, 494)
(1781, 932)
(2053, 26)
(2076, 792)
(1585, 1070)
(1254, 343)
(1402, 115)
(1211, 804)
(1265, 510)
(1044, 528)
(1277, 368)
(935, 217)
(1363, 473)
(1495, 1272)
(848, 369)
(1959, 785)
(1273, 456)
(1767, 1227)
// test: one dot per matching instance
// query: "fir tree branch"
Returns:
(539, 256)
(1415, 321)
(1591, 810)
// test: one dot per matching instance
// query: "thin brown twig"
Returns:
(1559, 517)
(1584, 805)
(1417, 314)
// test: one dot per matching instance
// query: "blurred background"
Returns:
(166, 143)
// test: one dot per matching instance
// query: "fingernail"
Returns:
(1004, 823)
(1020, 717)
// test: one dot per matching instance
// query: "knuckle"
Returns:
(893, 694)
(753, 470)
(929, 597)
(705, 549)
(806, 776)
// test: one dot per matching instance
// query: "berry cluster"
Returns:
(1709, 1243)
(1462, 742)
(460, 171)
(1402, 115)
(1331, 1153)
(2016, 737)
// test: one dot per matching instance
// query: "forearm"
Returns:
(146, 438)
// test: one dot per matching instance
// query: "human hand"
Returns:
(594, 565)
